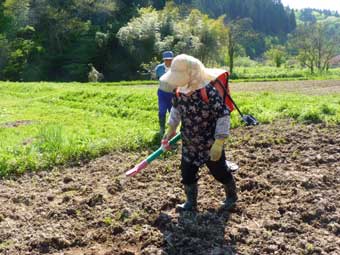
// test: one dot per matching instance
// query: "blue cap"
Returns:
(168, 55)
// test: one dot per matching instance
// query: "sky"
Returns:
(333, 5)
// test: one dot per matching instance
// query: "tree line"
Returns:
(57, 40)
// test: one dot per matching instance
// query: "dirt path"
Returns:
(289, 186)
(330, 87)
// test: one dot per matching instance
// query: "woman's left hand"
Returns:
(216, 150)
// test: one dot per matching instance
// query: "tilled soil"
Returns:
(329, 87)
(288, 181)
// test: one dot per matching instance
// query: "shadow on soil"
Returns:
(195, 233)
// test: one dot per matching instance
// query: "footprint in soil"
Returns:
(195, 233)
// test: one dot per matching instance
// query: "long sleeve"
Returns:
(175, 118)
(222, 115)
(222, 127)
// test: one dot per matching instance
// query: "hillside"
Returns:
(45, 40)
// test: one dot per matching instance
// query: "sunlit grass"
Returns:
(267, 73)
(47, 124)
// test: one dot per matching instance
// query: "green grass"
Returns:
(130, 83)
(267, 73)
(70, 122)
(267, 107)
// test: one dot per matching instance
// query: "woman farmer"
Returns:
(204, 127)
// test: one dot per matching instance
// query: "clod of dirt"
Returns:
(50, 197)
(115, 187)
(96, 199)
(67, 179)
(99, 237)
(50, 244)
(117, 229)
(308, 217)
(70, 187)
(309, 184)
(251, 184)
(66, 199)
(152, 250)
(21, 200)
(71, 212)
(272, 225)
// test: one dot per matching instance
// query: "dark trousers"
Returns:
(164, 102)
(218, 169)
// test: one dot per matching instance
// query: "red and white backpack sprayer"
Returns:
(221, 84)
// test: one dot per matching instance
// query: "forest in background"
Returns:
(57, 40)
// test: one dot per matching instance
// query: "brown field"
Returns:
(288, 183)
(301, 87)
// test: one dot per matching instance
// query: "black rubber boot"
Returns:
(191, 194)
(162, 120)
(231, 195)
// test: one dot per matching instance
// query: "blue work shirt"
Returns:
(160, 70)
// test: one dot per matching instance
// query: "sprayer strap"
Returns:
(177, 92)
(204, 95)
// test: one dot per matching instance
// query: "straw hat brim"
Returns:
(212, 73)
(175, 78)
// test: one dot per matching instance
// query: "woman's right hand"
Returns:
(165, 145)
(171, 132)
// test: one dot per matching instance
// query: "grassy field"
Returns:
(267, 73)
(47, 124)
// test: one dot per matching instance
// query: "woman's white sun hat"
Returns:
(188, 73)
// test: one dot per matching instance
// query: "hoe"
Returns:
(232, 166)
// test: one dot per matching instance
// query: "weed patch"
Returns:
(310, 117)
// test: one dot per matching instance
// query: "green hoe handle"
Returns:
(152, 157)
(159, 152)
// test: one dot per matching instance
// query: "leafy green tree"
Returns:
(4, 53)
(277, 55)
(239, 34)
(67, 30)
(17, 13)
(3, 18)
(56, 40)
(140, 35)
(315, 47)
(19, 58)
(154, 31)
(268, 16)
(202, 37)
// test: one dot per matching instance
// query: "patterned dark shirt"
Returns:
(198, 120)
